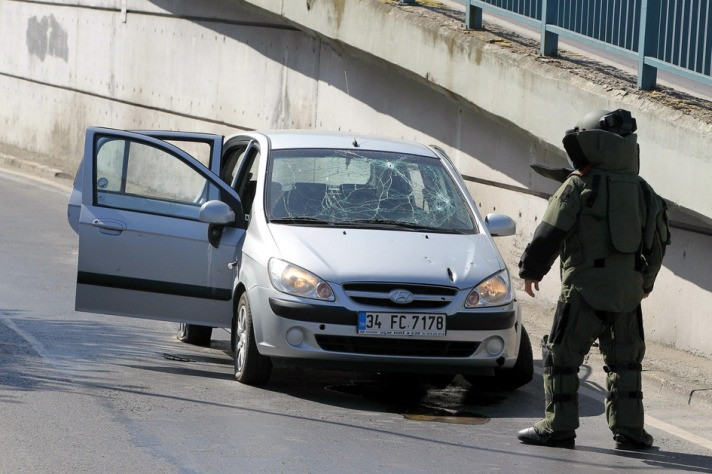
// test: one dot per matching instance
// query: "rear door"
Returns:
(143, 252)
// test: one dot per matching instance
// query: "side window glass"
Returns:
(232, 160)
(252, 174)
(201, 151)
(139, 177)
(247, 187)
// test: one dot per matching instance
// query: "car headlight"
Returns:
(296, 281)
(494, 291)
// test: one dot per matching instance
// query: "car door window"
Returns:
(136, 176)
(246, 182)
(251, 186)
(235, 159)
(231, 160)
(201, 151)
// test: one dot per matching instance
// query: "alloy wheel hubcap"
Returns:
(240, 340)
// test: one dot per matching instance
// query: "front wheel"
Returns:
(194, 334)
(251, 367)
(510, 379)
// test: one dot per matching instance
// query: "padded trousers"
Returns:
(576, 327)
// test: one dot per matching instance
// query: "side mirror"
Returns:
(216, 212)
(500, 225)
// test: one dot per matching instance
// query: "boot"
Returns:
(628, 443)
(533, 436)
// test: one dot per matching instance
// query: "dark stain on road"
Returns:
(418, 401)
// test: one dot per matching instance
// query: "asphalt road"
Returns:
(91, 393)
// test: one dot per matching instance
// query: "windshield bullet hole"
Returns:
(322, 327)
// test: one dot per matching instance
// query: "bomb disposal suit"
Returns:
(609, 229)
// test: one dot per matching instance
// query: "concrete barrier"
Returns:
(362, 65)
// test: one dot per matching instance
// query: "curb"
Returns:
(33, 168)
(691, 393)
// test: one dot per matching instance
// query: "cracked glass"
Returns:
(365, 188)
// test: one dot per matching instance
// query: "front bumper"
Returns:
(333, 314)
(325, 334)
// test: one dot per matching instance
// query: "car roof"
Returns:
(290, 139)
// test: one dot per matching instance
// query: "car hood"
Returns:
(340, 255)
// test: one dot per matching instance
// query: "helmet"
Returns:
(619, 121)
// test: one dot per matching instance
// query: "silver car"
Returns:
(331, 250)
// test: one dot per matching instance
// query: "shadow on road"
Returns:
(659, 459)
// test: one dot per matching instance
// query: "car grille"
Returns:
(396, 347)
(378, 294)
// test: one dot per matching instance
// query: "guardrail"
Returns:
(671, 35)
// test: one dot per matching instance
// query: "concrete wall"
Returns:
(515, 86)
(362, 65)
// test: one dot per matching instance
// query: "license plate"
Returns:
(401, 324)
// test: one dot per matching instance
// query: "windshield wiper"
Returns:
(300, 220)
(394, 223)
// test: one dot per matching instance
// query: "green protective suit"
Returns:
(609, 229)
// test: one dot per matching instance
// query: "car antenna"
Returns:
(355, 143)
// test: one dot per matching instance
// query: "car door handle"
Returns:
(109, 227)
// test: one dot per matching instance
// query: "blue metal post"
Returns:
(549, 40)
(473, 17)
(706, 44)
(698, 34)
(648, 43)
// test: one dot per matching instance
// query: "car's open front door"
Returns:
(145, 248)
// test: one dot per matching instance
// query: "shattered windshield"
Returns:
(365, 188)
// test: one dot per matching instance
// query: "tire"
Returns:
(194, 334)
(509, 379)
(251, 367)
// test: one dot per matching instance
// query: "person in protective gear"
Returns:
(609, 229)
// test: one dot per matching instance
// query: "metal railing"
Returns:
(670, 35)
